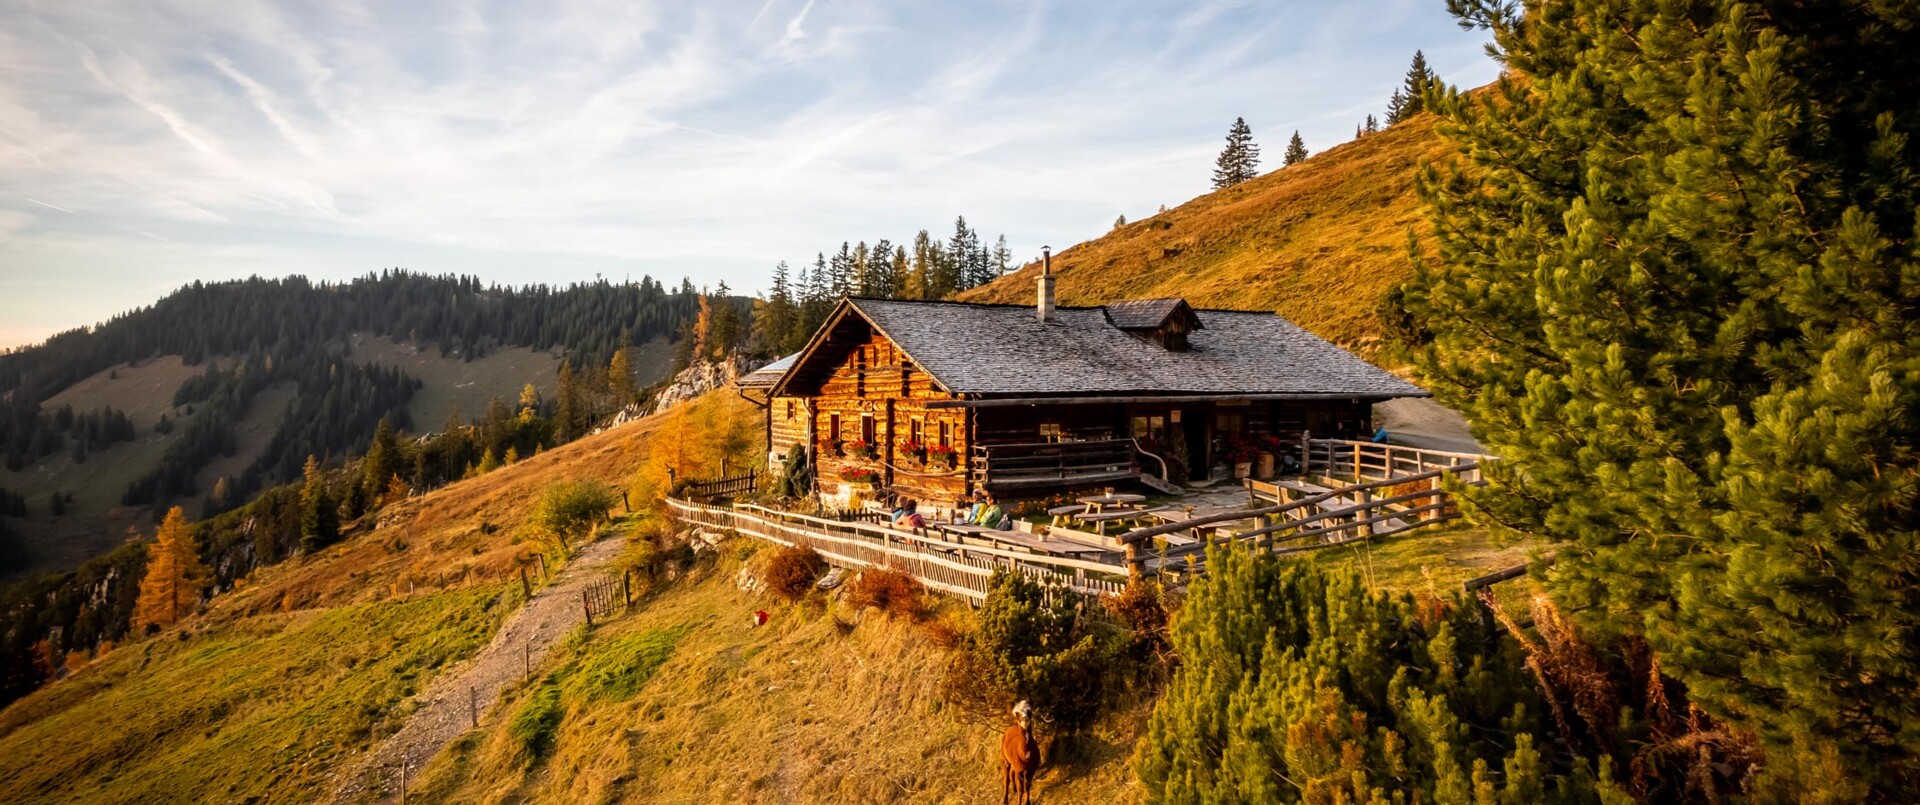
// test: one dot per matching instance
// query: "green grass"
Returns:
(617, 670)
(1431, 561)
(264, 708)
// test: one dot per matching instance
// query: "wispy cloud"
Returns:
(548, 142)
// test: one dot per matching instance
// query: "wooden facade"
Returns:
(1030, 405)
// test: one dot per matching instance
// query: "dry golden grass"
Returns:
(799, 710)
(465, 532)
(1320, 242)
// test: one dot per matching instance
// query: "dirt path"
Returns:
(444, 710)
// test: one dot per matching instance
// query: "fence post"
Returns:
(403, 782)
(525, 586)
(1306, 452)
(626, 588)
(526, 661)
(587, 607)
(473, 706)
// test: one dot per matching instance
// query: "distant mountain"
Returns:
(220, 390)
(1320, 242)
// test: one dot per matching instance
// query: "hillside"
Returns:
(227, 387)
(1320, 242)
(314, 658)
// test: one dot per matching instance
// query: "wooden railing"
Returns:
(1014, 467)
(964, 571)
(1314, 521)
(1372, 461)
(742, 484)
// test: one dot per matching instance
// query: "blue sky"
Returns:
(144, 145)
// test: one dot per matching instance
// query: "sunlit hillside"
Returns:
(1320, 242)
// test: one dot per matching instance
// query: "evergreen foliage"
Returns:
(175, 575)
(1030, 643)
(1296, 150)
(1240, 160)
(319, 511)
(1410, 98)
(797, 302)
(1298, 686)
(1677, 293)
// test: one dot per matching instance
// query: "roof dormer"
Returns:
(1163, 321)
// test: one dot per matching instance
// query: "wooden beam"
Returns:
(1009, 402)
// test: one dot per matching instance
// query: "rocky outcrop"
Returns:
(697, 380)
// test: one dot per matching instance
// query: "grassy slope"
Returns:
(1320, 242)
(797, 711)
(309, 660)
(262, 707)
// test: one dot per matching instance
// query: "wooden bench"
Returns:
(1064, 514)
(1101, 520)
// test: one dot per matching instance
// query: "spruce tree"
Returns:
(569, 415)
(1676, 293)
(382, 457)
(1240, 160)
(175, 575)
(319, 512)
(1410, 98)
(1296, 150)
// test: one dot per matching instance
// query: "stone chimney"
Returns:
(1046, 283)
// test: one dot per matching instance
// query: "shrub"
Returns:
(1298, 685)
(1031, 643)
(534, 724)
(898, 593)
(567, 510)
(1143, 609)
(792, 572)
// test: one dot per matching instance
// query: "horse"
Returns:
(1019, 757)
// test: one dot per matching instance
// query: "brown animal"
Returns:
(1019, 757)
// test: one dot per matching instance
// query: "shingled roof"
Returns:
(1146, 314)
(1005, 350)
(767, 376)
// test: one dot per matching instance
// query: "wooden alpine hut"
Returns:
(939, 400)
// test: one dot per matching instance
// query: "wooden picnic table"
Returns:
(1101, 519)
(1097, 504)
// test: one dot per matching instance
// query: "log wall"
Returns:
(877, 382)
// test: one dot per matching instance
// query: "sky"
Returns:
(145, 145)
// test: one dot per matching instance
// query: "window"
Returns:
(946, 434)
(833, 428)
(789, 409)
(1052, 432)
(867, 433)
(906, 380)
(917, 431)
(1150, 427)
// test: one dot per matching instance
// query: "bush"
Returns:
(898, 593)
(1031, 643)
(792, 572)
(534, 724)
(1298, 685)
(1143, 609)
(567, 510)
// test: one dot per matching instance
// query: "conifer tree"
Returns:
(319, 513)
(1120, 222)
(1240, 160)
(1410, 98)
(1003, 256)
(175, 576)
(1372, 126)
(382, 457)
(620, 377)
(570, 414)
(1675, 293)
(1296, 150)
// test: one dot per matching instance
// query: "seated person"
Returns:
(1380, 436)
(904, 510)
(914, 522)
(987, 514)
